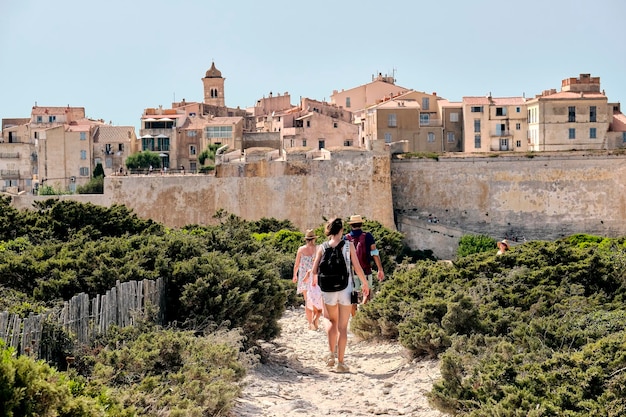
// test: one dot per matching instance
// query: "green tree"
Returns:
(143, 160)
(98, 171)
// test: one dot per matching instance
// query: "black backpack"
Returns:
(333, 273)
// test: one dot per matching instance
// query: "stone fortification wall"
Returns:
(518, 198)
(304, 191)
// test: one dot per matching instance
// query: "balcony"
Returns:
(500, 133)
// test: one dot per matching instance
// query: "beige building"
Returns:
(18, 156)
(494, 124)
(617, 129)
(315, 124)
(575, 118)
(452, 119)
(65, 155)
(111, 147)
(413, 118)
(60, 147)
(358, 98)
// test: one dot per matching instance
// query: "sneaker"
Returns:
(330, 360)
(342, 368)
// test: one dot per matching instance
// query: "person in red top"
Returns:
(365, 255)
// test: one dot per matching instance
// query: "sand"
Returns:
(295, 381)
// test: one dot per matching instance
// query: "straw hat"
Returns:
(504, 242)
(355, 218)
(310, 234)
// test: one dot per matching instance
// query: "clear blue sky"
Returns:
(118, 57)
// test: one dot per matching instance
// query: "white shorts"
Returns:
(342, 297)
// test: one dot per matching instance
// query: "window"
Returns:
(425, 103)
(431, 137)
(120, 147)
(592, 113)
(391, 120)
(518, 126)
(39, 119)
(477, 109)
(147, 144)
(476, 125)
(387, 137)
(348, 102)
(571, 114)
(424, 119)
(592, 133)
(518, 143)
(52, 119)
(83, 155)
(501, 129)
(191, 133)
(476, 141)
(518, 110)
(192, 149)
(347, 142)
(624, 137)
(335, 124)
(84, 171)
(450, 137)
(308, 123)
(108, 162)
(454, 117)
(500, 111)
(163, 144)
(321, 144)
(83, 135)
(572, 133)
(107, 149)
(303, 142)
(218, 132)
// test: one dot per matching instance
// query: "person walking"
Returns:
(303, 264)
(366, 250)
(337, 304)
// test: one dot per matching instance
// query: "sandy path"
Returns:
(296, 382)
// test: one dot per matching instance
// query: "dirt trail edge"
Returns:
(295, 381)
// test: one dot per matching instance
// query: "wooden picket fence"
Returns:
(83, 318)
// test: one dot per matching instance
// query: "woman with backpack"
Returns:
(331, 271)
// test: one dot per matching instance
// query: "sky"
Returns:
(116, 58)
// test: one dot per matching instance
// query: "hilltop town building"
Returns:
(577, 117)
(59, 147)
(494, 124)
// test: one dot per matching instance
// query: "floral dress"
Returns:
(306, 263)
(313, 296)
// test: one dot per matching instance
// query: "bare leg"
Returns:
(307, 311)
(343, 316)
(332, 314)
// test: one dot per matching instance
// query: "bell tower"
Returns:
(214, 87)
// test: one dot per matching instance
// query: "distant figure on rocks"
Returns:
(503, 246)
(302, 265)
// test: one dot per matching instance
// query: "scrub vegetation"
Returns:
(537, 331)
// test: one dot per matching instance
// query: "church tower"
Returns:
(214, 87)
